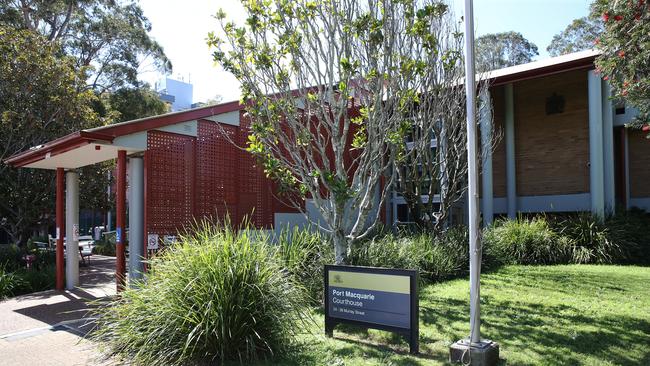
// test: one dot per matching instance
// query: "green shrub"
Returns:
(435, 257)
(449, 256)
(630, 230)
(391, 251)
(104, 247)
(215, 295)
(623, 238)
(11, 257)
(36, 279)
(525, 241)
(9, 282)
(305, 252)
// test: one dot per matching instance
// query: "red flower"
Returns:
(646, 128)
(621, 54)
(597, 41)
(605, 16)
(606, 78)
(624, 92)
(618, 18)
(626, 84)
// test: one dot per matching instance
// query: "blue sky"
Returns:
(181, 27)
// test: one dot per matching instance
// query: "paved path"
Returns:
(47, 328)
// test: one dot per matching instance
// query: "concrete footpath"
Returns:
(47, 328)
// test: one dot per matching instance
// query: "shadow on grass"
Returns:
(539, 315)
(559, 334)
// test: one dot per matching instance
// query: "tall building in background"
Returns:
(176, 93)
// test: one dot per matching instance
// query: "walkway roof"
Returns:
(99, 144)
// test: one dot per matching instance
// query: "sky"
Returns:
(182, 26)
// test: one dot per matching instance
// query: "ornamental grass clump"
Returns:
(216, 295)
(304, 252)
(525, 241)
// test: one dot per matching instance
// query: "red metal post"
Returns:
(60, 227)
(145, 227)
(120, 265)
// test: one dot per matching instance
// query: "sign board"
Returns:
(75, 232)
(379, 298)
(152, 241)
(169, 240)
(118, 235)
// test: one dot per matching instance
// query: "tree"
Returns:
(625, 57)
(498, 50)
(42, 95)
(107, 38)
(106, 41)
(580, 35)
(134, 103)
(332, 89)
(431, 163)
(124, 104)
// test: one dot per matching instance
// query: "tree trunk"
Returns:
(340, 247)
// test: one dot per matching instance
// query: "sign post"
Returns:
(378, 298)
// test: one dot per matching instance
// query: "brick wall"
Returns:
(552, 151)
(639, 155)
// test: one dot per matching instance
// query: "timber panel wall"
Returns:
(216, 164)
(254, 190)
(639, 168)
(170, 182)
(552, 151)
(189, 178)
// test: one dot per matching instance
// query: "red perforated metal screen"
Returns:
(216, 167)
(255, 198)
(189, 178)
(170, 182)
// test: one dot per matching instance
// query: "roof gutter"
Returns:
(56, 147)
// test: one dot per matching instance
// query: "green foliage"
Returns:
(104, 247)
(498, 50)
(575, 238)
(9, 281)
(36, 279)
(580, 35)
(621, 239)
(305, 253)
(525, 241)
(625, 47)
(216, 295)
(16, 279)
(108, 38)
(42, 96)
(134, 103)
(333, 154)
(629, 230)
(93, 180)
(436, 257)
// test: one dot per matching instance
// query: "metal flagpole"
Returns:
(472, 175)
(473, 351)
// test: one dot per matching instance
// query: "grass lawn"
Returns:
(540, 315)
